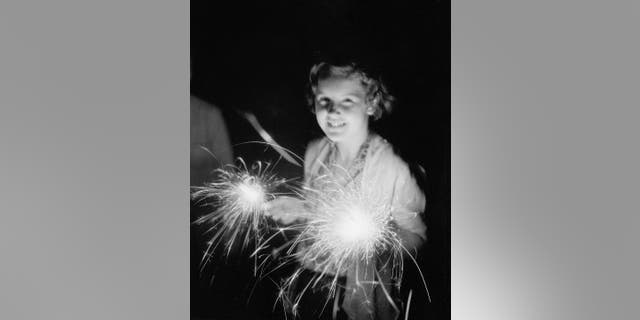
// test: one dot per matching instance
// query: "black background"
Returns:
(256, 57)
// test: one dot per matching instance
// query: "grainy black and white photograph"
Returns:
(320, 160)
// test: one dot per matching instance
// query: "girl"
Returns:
(344, 99)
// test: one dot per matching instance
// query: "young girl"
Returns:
(344, 99)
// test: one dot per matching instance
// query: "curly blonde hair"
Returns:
(377, 95)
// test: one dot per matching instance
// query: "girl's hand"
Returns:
(286, 210)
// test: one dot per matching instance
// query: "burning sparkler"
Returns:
(239, 196)
(348, 226)
(348, 232)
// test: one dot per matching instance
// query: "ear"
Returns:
(370, 111)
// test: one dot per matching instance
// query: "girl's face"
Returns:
(341, 109)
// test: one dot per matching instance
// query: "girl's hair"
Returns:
(377, 95)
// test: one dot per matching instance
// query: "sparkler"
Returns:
(348, 225)
(348, 232)
(239, 197)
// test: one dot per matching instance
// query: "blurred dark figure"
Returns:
(210, 149)
(210, 143)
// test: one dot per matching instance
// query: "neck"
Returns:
(348, 150)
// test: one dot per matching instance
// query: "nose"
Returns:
(332, 108)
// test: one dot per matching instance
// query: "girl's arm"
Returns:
(408, 203)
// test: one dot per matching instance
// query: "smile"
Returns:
(336, 124)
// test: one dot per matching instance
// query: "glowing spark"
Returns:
(356, 227)
(349, 226)
(349, 229)
(406, 315)
(238, 197)
(250, 194)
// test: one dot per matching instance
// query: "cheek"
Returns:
(358, 114)
(320, 115)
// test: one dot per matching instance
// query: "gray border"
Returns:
(544, 159)
(94, 160)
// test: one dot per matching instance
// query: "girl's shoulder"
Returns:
(385, 163)
(383, 152)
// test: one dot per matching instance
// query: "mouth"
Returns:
(336, 124)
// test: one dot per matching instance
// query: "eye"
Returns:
(348, 102)
(322, 102)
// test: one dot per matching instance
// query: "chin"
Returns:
(334, 137)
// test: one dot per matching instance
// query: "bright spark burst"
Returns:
(349, 228)
(356, 227)
(250, 195)
(238, 197)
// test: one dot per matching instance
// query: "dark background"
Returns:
(249, 57)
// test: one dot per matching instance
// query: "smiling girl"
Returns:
(344, 99)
